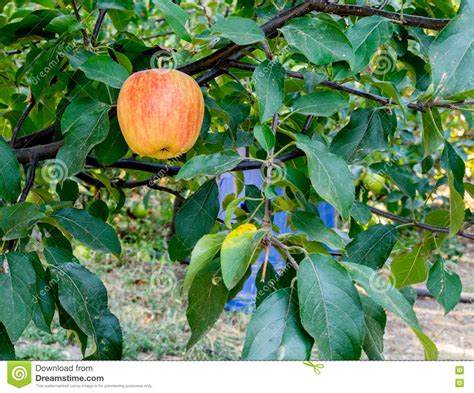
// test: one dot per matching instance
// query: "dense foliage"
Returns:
(366, 105)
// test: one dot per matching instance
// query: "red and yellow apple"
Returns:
(160, 112)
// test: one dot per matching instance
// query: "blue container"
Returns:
(245, 300)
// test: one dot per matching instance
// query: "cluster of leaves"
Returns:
(336, 99)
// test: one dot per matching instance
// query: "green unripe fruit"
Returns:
(374, 182)
(139, 210)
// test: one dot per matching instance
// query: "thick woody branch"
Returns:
(271, 27)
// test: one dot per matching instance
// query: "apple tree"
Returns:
(366, 105)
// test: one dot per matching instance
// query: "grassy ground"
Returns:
(144, 293)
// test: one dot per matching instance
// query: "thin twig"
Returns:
(87, 42)
(421, 225)
(98, 25)
(22, 119)
(29, 180)
(284, 249)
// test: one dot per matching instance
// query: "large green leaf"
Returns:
(330, 307)
(456, 208)
(89, 230)
(373, 246)
(238, 251)
(268, 79)
(410, 268)
(198, 214)
(368, 130)
(433, 136)
(385, 295)
(175, 16)
(452, 56)
(315, 229)
(329, 174)
(44, 302)
(16, 221)
(321, 103)
(264, 135)
(207, 298)
(104, 69)
(203, 254)
(451, 161)
(84, 298)
(10, 178)
(366, 36)
(374, 320)
(209, 165)
(85, 123)
(444, 285)
(242, 31)
(321, 41)
(17, 291)
(275, 331)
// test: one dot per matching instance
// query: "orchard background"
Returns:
(366, 105)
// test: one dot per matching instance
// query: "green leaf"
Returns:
(329, 175)
(410, 268)
(17, 220)
(264, 135)
(321, 41)
(115, 4)
(444, 285)
(433, 135)
(268, 80)
(361, 213)
(203, 254)
(456, 208)
(241, 31)
(366, 36)
(209, 165)
(368, 130)
(10, 178)
(330, 308)
(207, 298)
(314, 227)
(452, 56)
(84, 298)
(175, 17)
(113, 147)
(44, 302)
(275, 331)
(323, 103)
(198, 214)
(451, 161)
(64, 23)
(375, 320)
(103, 69)
(17, 291)
(7, 349)
(373, 246)
(237, 253)
(269, 285)
(385, 295)
(85, 123)
(89, 230)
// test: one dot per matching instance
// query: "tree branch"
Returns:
(421, 225)
(85, 36)
(271, 27)
(98, 25)
(22, 119)
(29, 181)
